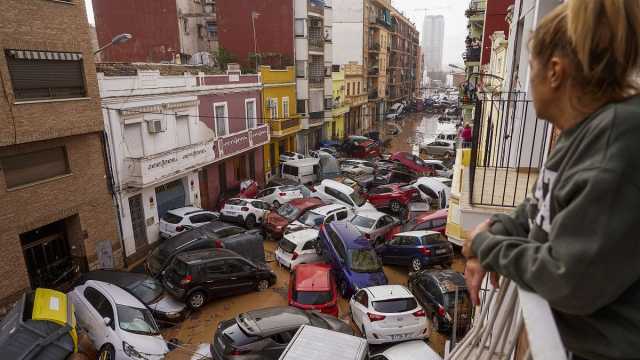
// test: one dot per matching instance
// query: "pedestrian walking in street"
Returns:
(467, 136)
(574, 240)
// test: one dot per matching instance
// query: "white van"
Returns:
(303, 171)
(334, 192)
(312, 343)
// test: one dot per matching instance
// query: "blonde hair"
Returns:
(600, 39)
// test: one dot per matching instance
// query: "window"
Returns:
(221, 119)
(212, 29)
(348, 89)
(358, 93)
(300, 26)
(250, 113)
(301, 106)
(182, 130)
(237, 266)
(300, 68)
(337, 244)
(285, 107)
(185, 25)
(23, 169)
(100, 304)
(328, 103)
(273, 108)
(202, 218)
(229, 231)
(362, 298)
(45, 75)
(309, 245)
(216, 268)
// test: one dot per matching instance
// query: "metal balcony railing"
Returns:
(508, 148)
(472, 54)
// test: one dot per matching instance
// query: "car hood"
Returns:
(364, 230)
(367, 206)
(276, 220)
(154, 346)
(336, 324)
(167, 305)
(363, 280)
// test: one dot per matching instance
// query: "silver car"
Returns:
(442, 148)
(374, 224)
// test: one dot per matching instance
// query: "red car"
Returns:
(433, 220)
(276, 222)
(361, 147)
(414, 163)
(312, 287)
(392, 196)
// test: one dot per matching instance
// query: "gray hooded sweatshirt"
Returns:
(574, 240)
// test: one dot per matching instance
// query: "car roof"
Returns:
(197, 256)
(338, 186)
(416, 349)
(350, 235)
(325, 209)
(313, 277)
(303, 162)
(301, 236)
(304, 203)
(269, 321)
(387, 292)
(183, 211)
(447, 280)
(431, 161)
(442, 213)
(120, 278)
(417, 233)
(371, 214)
(118, 295)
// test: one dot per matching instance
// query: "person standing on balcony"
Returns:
(574, 241)
(467, 136)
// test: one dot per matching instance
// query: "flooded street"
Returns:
(200, 326)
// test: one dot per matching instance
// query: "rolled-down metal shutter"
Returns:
(170, 196)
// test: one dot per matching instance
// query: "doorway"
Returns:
(138, 223)
(170, 196)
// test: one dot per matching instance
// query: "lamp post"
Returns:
(118, 39)
(254, 16)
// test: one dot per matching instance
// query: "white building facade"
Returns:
(155, 144)
(433, 42)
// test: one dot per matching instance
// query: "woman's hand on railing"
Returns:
(474, 273)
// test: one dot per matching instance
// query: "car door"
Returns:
(98, 308)
(392, 249)
(407, 249)
(200, 219)
(277, 344)
(267, 195)
(360, 306)
(241, 275)
(378, 229)
(387, 223)
(216, 280)
(260, 208)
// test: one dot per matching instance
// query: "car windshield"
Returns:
(362, 221)
(312, 219)
(287, 246)
(289, 212)
(357, 199)
(236, 202)
(450, 298)
(136, 320)
(148, 290)
(288, 188)
(395, 305)
(365, 261)
(171, 218)
(312, 297)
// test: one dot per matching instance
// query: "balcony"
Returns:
(373, 95)
(280, 128)
(316, 118)
(316, 6)
(472, 54)
(233, 144)
(372, 72)
(374, 47)
(476, 10)
(148, 170)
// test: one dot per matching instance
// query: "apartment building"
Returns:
(402, 79)
(356, 98)
(175, 31)
(340, 106)
(57, 213)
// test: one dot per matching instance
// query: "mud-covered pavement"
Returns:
(200, 326)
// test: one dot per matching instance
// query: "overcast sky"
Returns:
(455, 23)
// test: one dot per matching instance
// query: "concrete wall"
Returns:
(348, 29)
(153, 24)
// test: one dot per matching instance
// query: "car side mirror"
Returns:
(107, 320)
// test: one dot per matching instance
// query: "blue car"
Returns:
(417, 249)
(353, 260)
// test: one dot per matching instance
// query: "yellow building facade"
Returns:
(340, 107)
(279, 111)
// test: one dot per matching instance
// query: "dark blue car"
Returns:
(352, 258)
(417, 249)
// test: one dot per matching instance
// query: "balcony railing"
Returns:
(476, 8)
(472, 54)
(508, 148)
(498, 332)
(285, 127)
(316, 118)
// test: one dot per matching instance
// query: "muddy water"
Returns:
(200, 326)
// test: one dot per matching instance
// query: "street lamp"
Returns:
(118, 39)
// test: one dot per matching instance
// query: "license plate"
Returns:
(399, 336)
(441, 251)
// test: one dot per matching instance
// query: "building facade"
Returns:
(402, 79)
(378, 28)
(356, 98)
(57, 211)
(156, 144)
(176, 31)
(340, 107)
(433, 42)
(280, 113)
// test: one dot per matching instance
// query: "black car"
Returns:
(265, 333)
(215, 234)
(436, 292)
(198, 276)
(165, 309)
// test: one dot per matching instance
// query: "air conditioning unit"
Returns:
(156, 126)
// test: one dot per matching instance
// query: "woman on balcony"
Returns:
(574, 240)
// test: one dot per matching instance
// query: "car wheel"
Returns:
(250, 221)
(276, 204)
(107, 352)
(395, 206)
(416, 264)
(196, 299)
(263, 285)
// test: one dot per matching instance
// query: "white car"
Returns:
(185, 218)
(410, 350)
(244, 211)
(288, 156)
(280, 194)
(334, 192)
(433, 191)
(330, 151)
(357, 167)
(118, 324)
(298, 248)
(374, 224)
(388, 313)
(316, 217)
(441, 170)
